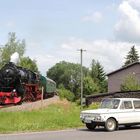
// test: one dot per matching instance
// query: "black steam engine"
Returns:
(18, 84)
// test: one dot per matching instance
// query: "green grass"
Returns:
(54, 117)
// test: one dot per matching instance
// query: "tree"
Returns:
(98, 75)
(0, 56)
(13, 45)
(130, 83)
(28, 63)
(89, 86)
(132, 56)
(67, 75)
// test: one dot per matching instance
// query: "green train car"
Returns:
(49, 86)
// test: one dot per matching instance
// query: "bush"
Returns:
(64, 93)
(130, 84)
(95, 105)
(90, 86)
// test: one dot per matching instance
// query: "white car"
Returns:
(113, 112)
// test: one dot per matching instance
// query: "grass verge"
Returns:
(54, 117)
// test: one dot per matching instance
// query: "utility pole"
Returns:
(81, 52)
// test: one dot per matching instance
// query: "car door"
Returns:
(136, 104)
(126, 114)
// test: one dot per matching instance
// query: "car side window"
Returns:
(126, 105)
(136, 104)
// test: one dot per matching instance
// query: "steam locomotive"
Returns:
(18, 84)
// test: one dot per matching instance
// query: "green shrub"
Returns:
(94, 105)
(130, 83)
(78, 102)
(89, 86)
(64, 93)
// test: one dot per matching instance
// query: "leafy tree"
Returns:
(28, 63)
(89, 86)
(0, 56)
(132, 56)
(130, 83)
(13, 45)
(98, 75)
(68, 75)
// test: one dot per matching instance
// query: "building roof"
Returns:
(122, 68)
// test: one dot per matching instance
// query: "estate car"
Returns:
(112, 113)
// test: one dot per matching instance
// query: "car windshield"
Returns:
(110, 103)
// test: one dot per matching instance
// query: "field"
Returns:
(56, 116)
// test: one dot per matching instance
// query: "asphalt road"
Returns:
(77, 134)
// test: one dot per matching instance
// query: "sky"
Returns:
(54, 30)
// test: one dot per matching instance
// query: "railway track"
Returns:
(27, 102)
(28, 106)
(5, 106)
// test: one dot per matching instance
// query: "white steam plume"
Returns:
(14, 58)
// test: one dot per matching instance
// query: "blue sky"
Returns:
(57, 19)
(55, 29)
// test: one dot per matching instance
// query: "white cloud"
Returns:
(110, 53)
(128, 27)
(93, 17)
(44, 56)
(135, 3)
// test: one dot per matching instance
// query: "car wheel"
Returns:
(90, 126)
(110, 124)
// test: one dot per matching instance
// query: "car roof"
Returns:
(124, 99)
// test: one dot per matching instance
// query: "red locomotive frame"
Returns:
(32, 93)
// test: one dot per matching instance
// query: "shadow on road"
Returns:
(129, 128)
(102, 129)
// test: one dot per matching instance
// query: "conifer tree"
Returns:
(98, 75)
(132, 56)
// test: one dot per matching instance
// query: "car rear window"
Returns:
(126, 105)
(136, 104)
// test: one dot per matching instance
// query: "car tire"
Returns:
(90, 126)
(111, 125)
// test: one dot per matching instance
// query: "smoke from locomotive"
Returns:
(19, 84)
(14, 58)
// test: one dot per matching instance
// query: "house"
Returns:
(117, 77)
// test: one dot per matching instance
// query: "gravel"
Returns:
(32, 105)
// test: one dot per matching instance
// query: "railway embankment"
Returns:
(51, 114)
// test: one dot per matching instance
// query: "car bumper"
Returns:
(98, 123)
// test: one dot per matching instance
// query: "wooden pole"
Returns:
(42, 96)
(81, 51)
